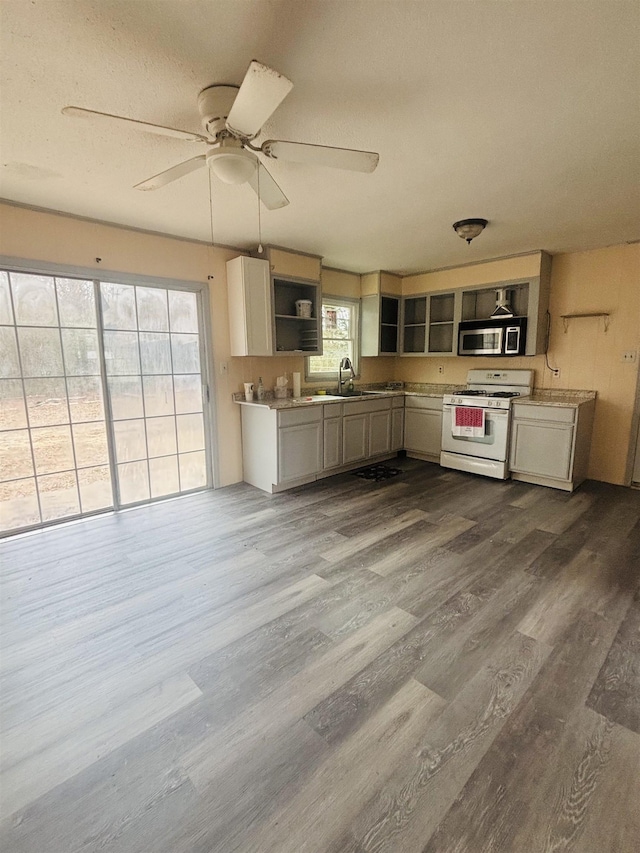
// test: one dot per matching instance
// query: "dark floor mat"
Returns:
(377, 472)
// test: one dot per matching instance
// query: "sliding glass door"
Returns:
(152, 357)
(101, 397)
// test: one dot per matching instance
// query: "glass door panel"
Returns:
(152, 353)
(54, 460)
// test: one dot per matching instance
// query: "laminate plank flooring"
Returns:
(437, 663)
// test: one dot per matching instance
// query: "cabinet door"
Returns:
(414, 325)
(441, 326)
(544, 449)
(299, 451)
(397, 429)
(250, 309)
(332, 442)
(355, 438)
(423, 431)
(379, 432)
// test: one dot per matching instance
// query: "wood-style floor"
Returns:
(436, 662)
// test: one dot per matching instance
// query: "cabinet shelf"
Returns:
(295, 317)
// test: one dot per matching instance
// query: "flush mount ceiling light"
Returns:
(469, 228)
(231, 163)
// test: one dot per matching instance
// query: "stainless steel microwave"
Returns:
(495, 336)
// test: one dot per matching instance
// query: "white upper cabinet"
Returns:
(381, 298)
(250, 312)
(264, 313)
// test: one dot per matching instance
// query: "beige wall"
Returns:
(588, 358)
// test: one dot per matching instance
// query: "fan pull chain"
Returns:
(210, 206)
(210, 277)
(260, 249)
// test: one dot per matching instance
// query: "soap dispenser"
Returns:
(260, 389)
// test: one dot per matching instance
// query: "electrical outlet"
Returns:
(441, 368)
(630, 356)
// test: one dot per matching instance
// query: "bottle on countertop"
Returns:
(260, 389)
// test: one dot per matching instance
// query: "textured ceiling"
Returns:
(525, 113)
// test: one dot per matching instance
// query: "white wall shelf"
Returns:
(604, 314)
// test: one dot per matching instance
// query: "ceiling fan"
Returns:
(232, 117)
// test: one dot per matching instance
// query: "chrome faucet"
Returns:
(345, 364)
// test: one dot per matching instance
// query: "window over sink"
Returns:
(340, 338)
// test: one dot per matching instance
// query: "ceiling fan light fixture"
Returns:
(470, 228)
(231, 164)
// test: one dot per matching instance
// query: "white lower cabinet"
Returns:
(397, 423)
(281, 449)
(332, 445)
(550, 444)
(379, 432)
(423, 427)
(288, 447)
(354, 438)
(299, 451)
(366, 429)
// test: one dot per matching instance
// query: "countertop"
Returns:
(560, 397)
(414, 389)
(315, 400)
(541, 397)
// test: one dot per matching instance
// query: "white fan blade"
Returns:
(261, 93)
(270, 193)
(321, 155)
(80, 112)
(172, 174)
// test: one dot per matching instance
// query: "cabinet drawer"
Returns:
(303, 415)
(397, 402)
(433, 403)
(332, 410)
(559, 414)
(363, 407)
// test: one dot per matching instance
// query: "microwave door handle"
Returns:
(501, 340)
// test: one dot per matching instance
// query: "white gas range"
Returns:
(476, 422)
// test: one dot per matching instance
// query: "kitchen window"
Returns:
(340, 338)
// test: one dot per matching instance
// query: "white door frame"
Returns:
(634, 442)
